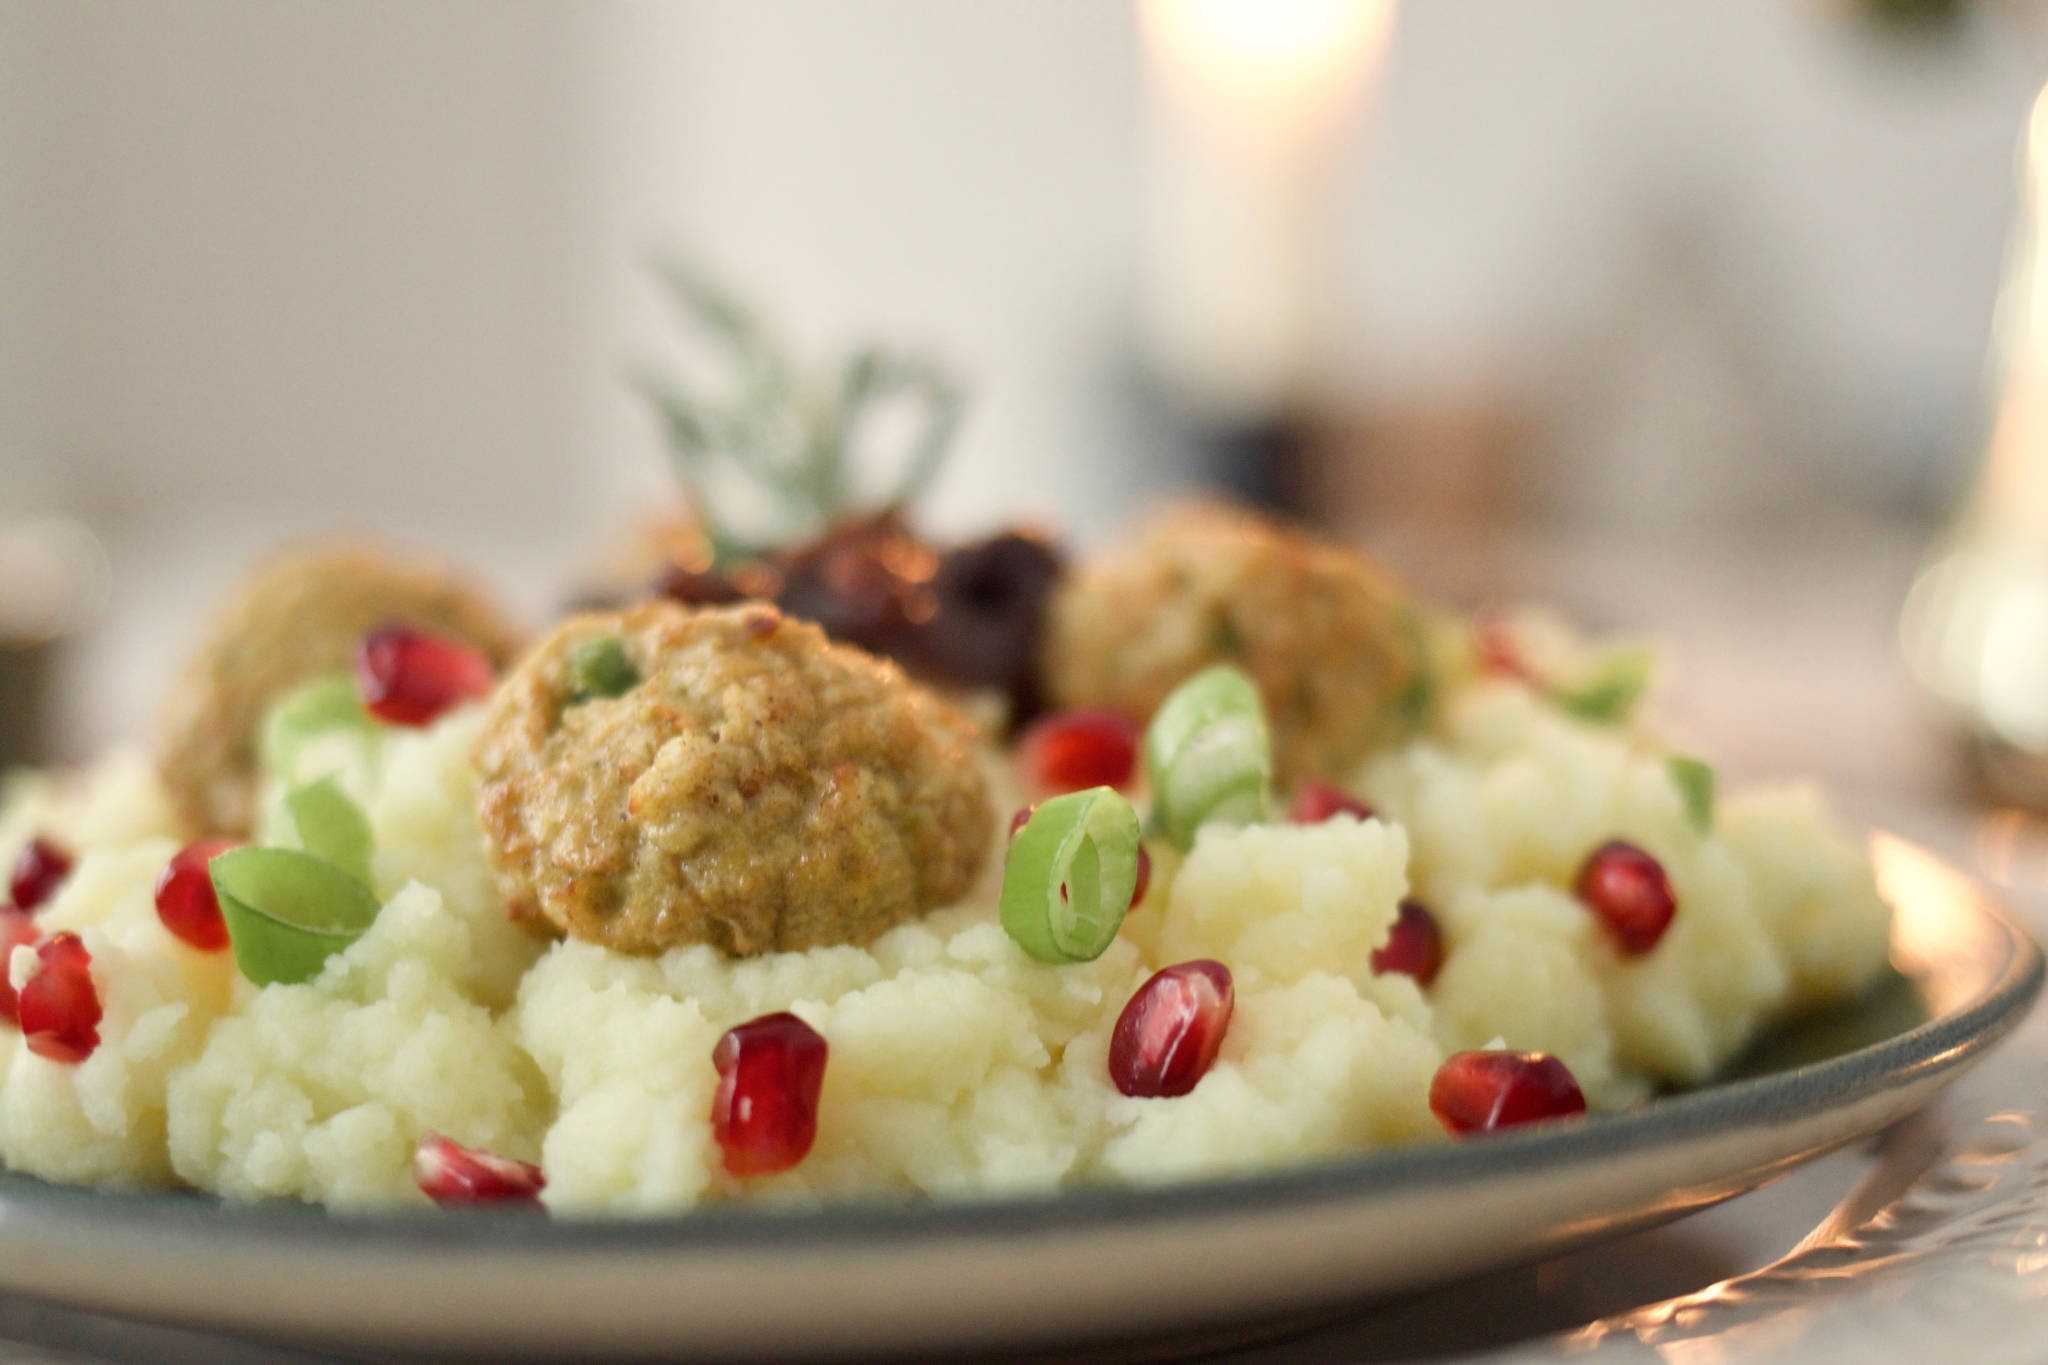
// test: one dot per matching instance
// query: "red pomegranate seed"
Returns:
(1498, 652)
(409, 677)
(59, 1006)
(765, 1115)
(1168, 1035)
(16, 931)
(1315, 802)
(185, 900)
(1628, 890)
(453, 1175)
(1071, 751)
(1414, 945)
(1477, 1092)
(39, 870)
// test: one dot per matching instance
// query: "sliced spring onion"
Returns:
(1695, 783)
(600, 668)
(1208, 755)
(1412, 706)
(331, 827)
(1072, 871)
(287, 912)
(324, 705)
(1608, 693)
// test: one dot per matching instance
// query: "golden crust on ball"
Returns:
(298, 617)
(1330, 640)
(758, 788)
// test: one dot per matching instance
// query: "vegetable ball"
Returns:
(298, 617)
(1332, 644)
(665, 776)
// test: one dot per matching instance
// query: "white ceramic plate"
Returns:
(1090, 1266)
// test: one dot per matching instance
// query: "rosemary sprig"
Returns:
(768, 459)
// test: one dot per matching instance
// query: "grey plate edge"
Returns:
(1942, 1044)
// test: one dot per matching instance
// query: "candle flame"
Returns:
(1285, 57)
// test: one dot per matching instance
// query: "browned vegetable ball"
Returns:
(1330, 641)
(665, 776)
(300, 616)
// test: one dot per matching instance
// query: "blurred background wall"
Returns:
(1592, 267)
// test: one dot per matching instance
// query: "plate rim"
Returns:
(1939, 1045)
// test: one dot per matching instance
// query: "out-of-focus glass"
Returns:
(1976, 623)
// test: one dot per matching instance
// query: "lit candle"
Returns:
(1247, 97)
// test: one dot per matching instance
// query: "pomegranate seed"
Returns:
(765, 1115)
(59, 1006)
(1072, 751)
(1477, 1092)
(1315, 802)
(409, 677)
(38, 872)
(185, 900)
(1414, 945)
(1498, 652)
(1020, 819)
(1627, 889)
(452, 1175)
(1168, 1035)
(16, 931)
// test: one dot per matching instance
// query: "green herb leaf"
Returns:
(1208, 754)
(768, 458)
(1070, 876)
(287, 912)
(331, 827)
(321, 707)
(1609, 693)
(600, 668)
(1695, 782)
(877, 381)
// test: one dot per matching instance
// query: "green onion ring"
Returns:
(287, 912)
(331, 827)
(1208, 755)
(1608, 694)
(1695, 783)
(325, 704)
(1071, 874)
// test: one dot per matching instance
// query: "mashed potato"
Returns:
(102, 1122)
(957, 1064)
(1503, 805)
